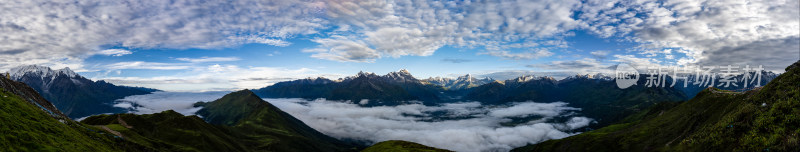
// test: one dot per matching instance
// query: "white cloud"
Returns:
(599, 54)
(460, 126)
(636, 62)
(705, 29)
(532, 108)
(59, 33)
(208, 59)
(585, 65)
(209, 78)
(340, 48)
(396, 42)
(40, 31)
(146, 65)
(419, 28)
(160, 101)
(261, 40)
(115, 52)
(464, 126)
(533, 54)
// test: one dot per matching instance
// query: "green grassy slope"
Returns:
(169, 131)
(262, 126)
(25, 127)
(239, 121)
(766, 119)
(401, 146)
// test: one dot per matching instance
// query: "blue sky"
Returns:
(208, 45)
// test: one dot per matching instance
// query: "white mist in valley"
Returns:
(467, 126)
(464, 126)
(160, 101)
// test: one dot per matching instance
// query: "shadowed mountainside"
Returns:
(73, 94)
(763, 119)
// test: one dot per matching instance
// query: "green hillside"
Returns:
(26, 127)
(239, 121)
(168, 131)
(262, 126)
(765, 119)
(401, 146)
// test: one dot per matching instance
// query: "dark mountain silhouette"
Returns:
(73, 94)
(28, 122)
(368, 89)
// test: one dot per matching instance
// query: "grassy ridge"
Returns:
(25, 127)
(169, 131)
(239, 121)
(262, 126)
(401, 146)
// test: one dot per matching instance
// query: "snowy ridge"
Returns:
(401, 75)
(462, 82)
(41, 71)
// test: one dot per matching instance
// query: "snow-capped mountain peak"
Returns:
(467, 78)
(40, 71)
(401, 75)
(404, 71)
(68, 72)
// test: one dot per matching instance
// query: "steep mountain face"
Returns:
(763, 119)
(460, 83)
(30, 123)
(401, 146)
(367, 89)
(73, 94)
(402, 76)
(263, 127)
(371, 88)
(31, 96)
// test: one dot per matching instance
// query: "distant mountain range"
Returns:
(368, 89)
(460, 83)
(239, 121)
(73, 94)
(762, 119)
(597, 95)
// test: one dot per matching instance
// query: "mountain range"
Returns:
(762, 119)
(637, 118)
(72, 93)
(460, 83)
(368, 89)
(239, 121)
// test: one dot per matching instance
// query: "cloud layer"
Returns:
(157, 102)
(466, 126)
(48, 32)
(63, 33)
(208, 77)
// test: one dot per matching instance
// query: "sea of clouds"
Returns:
(466, 126)
(463, 126)
(181, 102)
